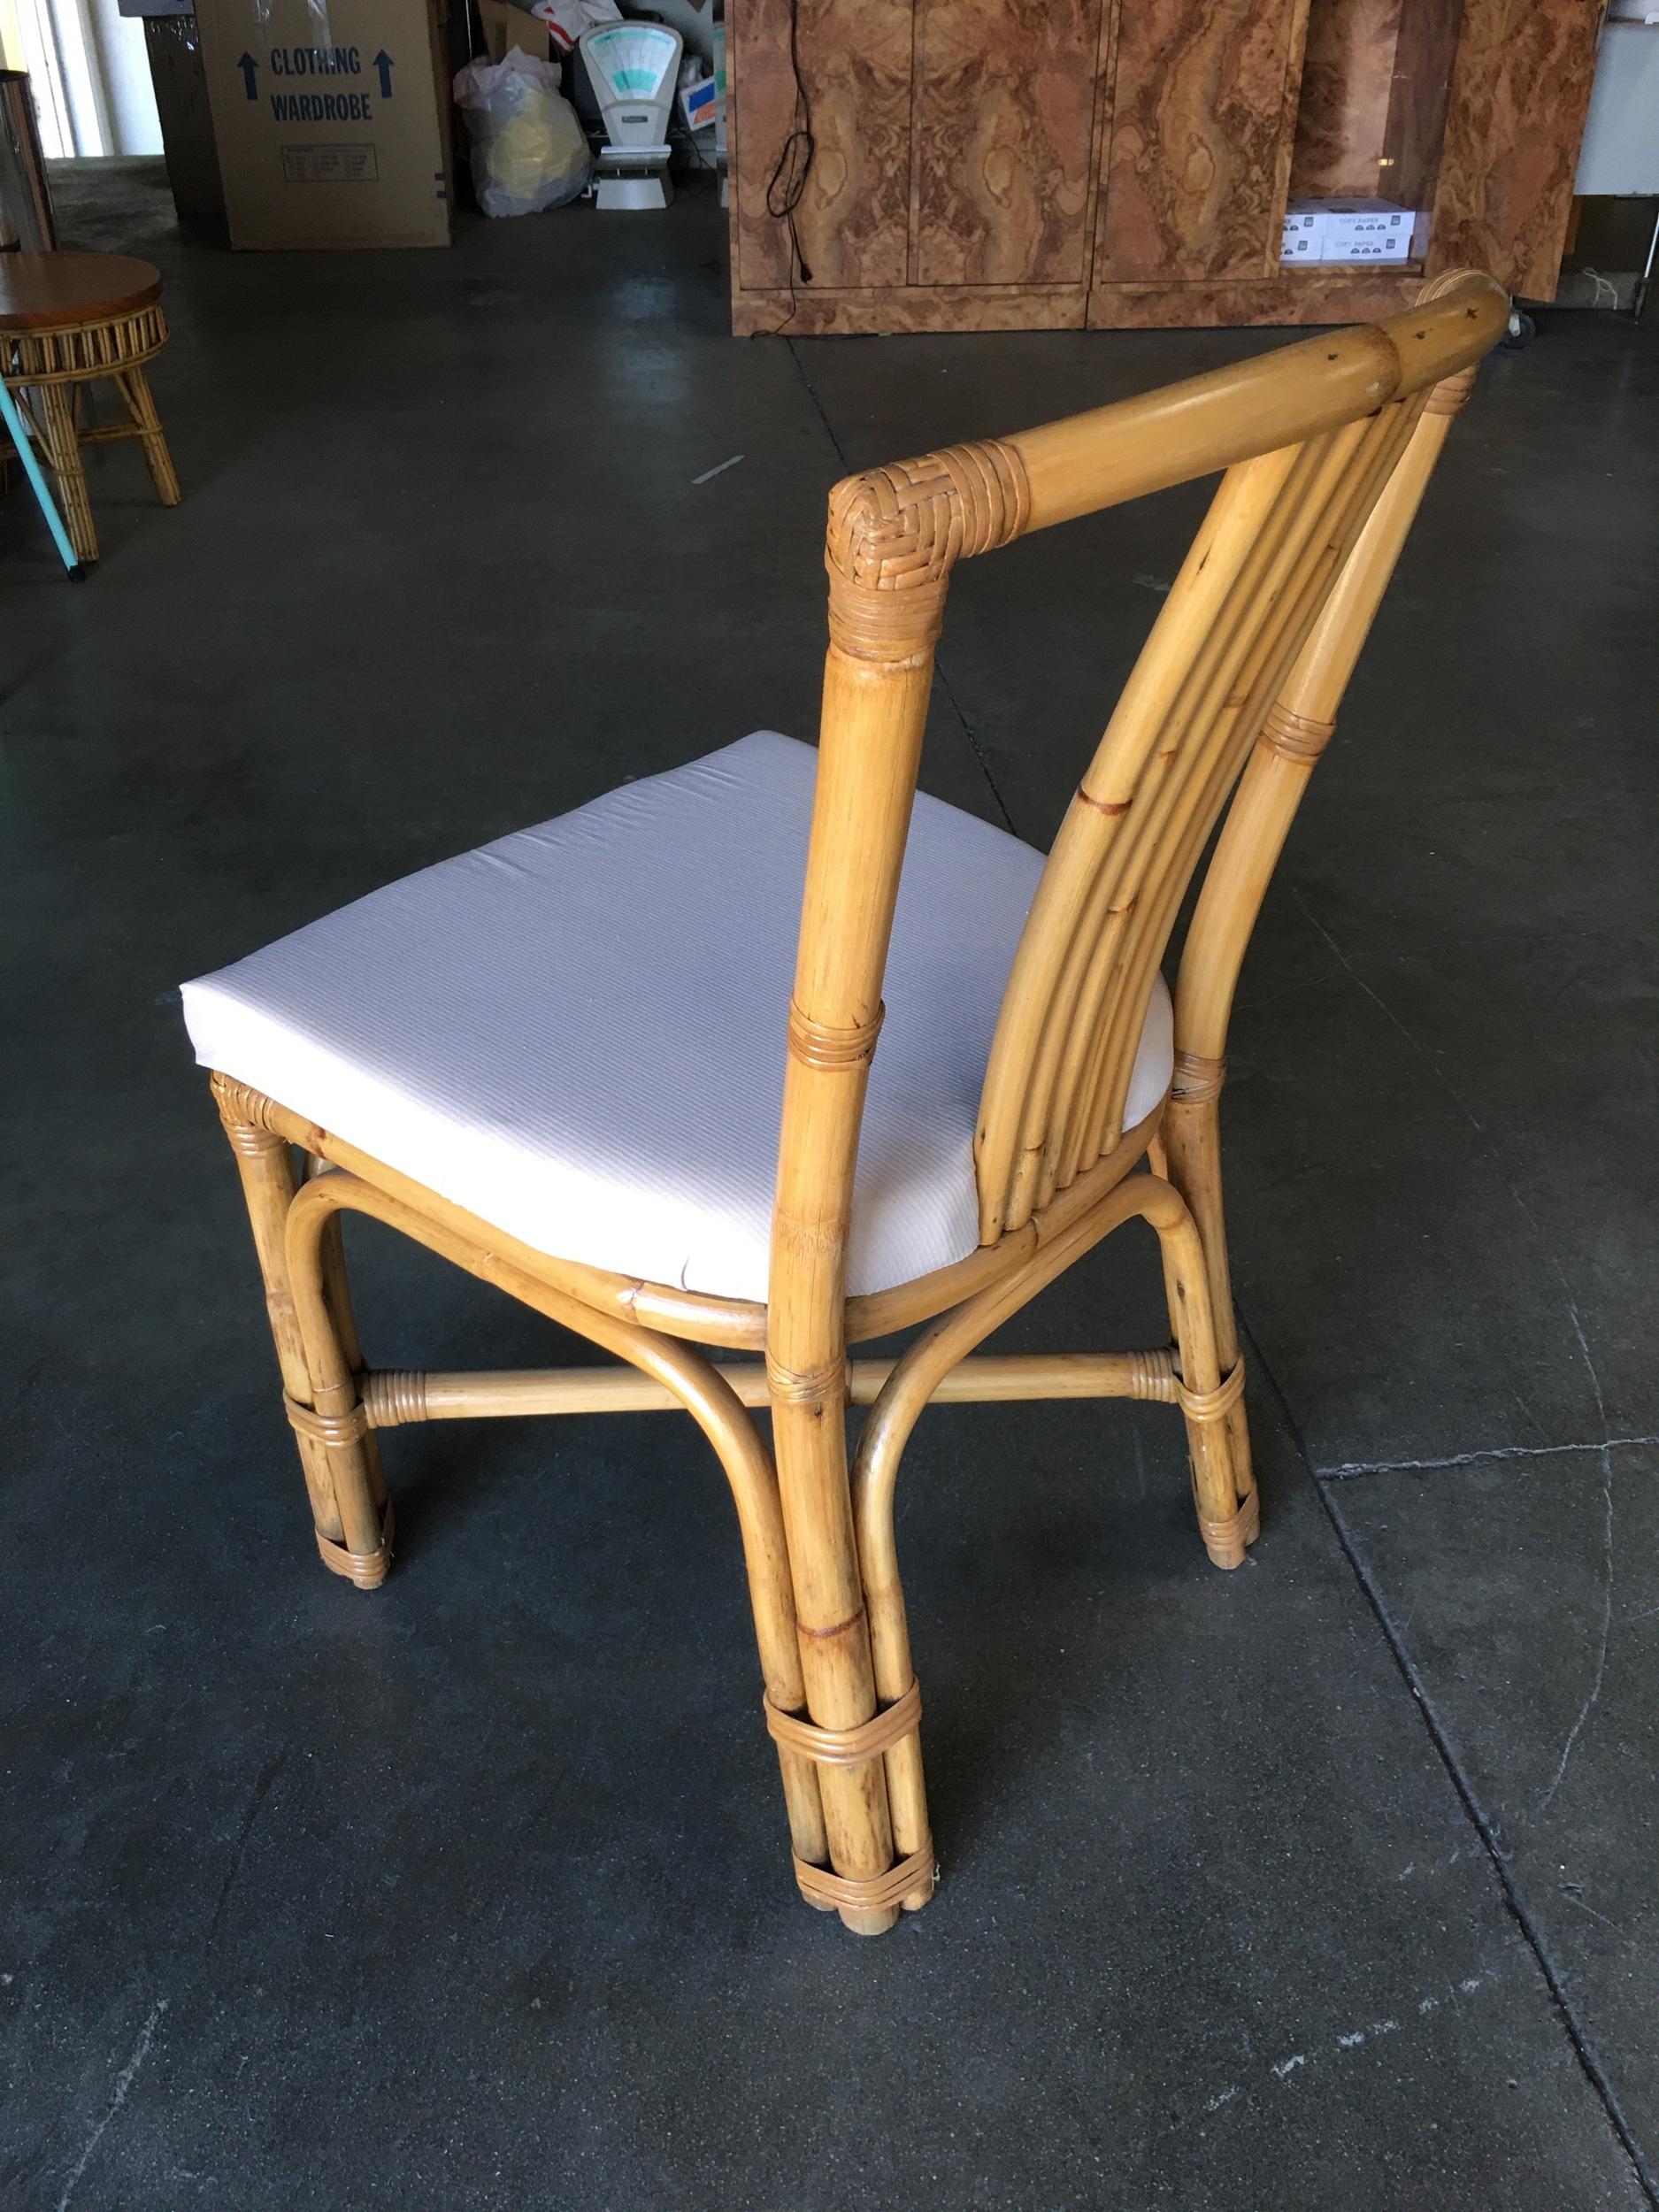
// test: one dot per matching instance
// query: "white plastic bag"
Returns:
(527, 148)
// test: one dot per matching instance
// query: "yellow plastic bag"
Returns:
(527, 147)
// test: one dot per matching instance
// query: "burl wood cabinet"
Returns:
(1044, 165)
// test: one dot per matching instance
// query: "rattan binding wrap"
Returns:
(1212, 1405)
(879, 1892)
(1197, 1078)
(847, 1746)
(1236, 1533)
(367, 1570)
(819, 1046)
(327, 1428)
(393, 1396)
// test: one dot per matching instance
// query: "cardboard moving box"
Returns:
(505, 26)
(180, 79)
(342, 144)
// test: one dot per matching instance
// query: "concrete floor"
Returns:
(1330, 1882)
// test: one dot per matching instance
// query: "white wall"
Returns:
(132, 126)
(90, 76)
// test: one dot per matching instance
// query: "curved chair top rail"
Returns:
(902, 527)
(1157, 439)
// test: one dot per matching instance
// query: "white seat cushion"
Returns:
(577, 1032)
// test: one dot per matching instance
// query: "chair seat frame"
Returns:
(841, 1698)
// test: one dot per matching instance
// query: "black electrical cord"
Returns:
(794, 165)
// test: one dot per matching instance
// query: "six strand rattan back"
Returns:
(1277, 533)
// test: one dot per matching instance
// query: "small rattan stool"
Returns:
(67, 319)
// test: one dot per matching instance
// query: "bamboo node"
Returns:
(335, 1429)
(1103, 806)
(823, 1887)
(1212, 1405)
(366, 1569)
(836, 1628)
(789, 1385)
(394, 1396)
(846, 1747)
(822, 1045)
(1294, 736)
(1198, 1078)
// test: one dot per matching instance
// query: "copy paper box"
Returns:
(330, 121)
(1303, 234)
(1371, 230)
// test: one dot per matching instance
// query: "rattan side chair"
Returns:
(561, 1061)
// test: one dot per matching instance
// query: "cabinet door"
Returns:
(854, 216)
(1205, 118)
(1004, 122)
(1520, 93)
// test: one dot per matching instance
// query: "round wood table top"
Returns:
(38, 290)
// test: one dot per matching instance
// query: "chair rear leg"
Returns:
(1192, 1136)
(338, 1455)
(1211, 1389)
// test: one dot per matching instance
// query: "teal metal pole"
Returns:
(25, 444)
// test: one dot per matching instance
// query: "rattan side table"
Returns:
(67, 320)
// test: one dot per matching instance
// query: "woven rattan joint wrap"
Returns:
(245, 1113)
(905, 526)
(819, 1046)
(1212, 1405)
(896, 532)
(337, 1429)
(820, 1886)
(1294, 736)
(1197, 1078)
(847, 1746)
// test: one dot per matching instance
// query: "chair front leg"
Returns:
(338, 1455)
(851, 1742)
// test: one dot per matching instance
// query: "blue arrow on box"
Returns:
(383, 62)
(249, 69)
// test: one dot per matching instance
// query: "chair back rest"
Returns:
(1325, 447)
